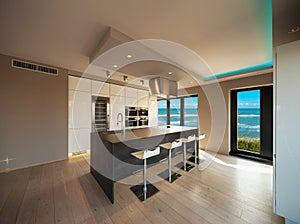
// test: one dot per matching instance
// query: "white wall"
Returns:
(287, 144)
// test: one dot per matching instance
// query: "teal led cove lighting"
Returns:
(239, 71)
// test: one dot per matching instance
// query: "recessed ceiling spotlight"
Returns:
(293, 30)
(115, 66)
(170, 73)
(129, 56)
(125, 78)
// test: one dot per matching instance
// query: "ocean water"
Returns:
(249, 122)
(190, 117)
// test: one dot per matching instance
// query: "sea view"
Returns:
(190, 117)
(249, 122)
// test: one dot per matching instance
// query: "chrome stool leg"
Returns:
(184, 156)
(169, 164)
(196, 152)
(145, 179)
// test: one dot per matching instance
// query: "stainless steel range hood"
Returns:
(163, 87)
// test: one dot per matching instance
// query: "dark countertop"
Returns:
(139, 133)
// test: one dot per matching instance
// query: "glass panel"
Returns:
(191, 111)
(162, 112)
(249, 120)
(175, 112)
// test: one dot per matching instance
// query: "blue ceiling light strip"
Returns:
(239, 71)
(255, 67)
(271, 26)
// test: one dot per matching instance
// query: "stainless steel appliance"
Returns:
(100, 113)
(136, 116)
(143, 121)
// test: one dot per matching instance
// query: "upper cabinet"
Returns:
(143, 98)
(131, 92)
(79, 84)
(116, 90)
(100, 88)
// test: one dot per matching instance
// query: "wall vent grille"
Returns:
(33, 67)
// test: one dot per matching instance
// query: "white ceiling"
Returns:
(227, 34)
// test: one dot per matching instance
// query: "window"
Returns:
(175, 115)
(181, 111)
(191, 111)
(162, 112)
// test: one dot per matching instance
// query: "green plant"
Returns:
(249, 144)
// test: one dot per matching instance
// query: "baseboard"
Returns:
(32, 165)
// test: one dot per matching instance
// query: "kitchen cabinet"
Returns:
(79, 140)
(117, 105)
(153, 111)
(80, 105)
(287, 166)
(79, 84)
(143, 98)
(131, 102)
(79, 109)
(100, 88)
(131, 92)
(116, 90)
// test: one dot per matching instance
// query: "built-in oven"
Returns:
(143, 112)
(131, 122)
(143, 121)
(131, 111)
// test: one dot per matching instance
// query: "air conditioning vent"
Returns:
(34, 67)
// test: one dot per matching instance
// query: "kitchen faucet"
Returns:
(120, 120)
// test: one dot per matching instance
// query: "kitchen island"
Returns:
(111, 158)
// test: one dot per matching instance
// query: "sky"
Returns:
(246, 99)
(249, 99)
(191, 102)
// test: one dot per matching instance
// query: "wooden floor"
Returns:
(231, 190)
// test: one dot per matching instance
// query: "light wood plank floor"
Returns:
(231, 190)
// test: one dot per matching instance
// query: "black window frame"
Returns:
(266, 123)
(181, 108)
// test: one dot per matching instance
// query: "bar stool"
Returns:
(169, 146)
(196, 158)
(144, 155)
(190, 138)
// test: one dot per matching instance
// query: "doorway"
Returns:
(252, 122)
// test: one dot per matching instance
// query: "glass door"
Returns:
(252, 122)
(248, 120)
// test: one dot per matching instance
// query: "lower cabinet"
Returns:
(79, 140)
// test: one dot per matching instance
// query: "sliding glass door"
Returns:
(248, 120)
